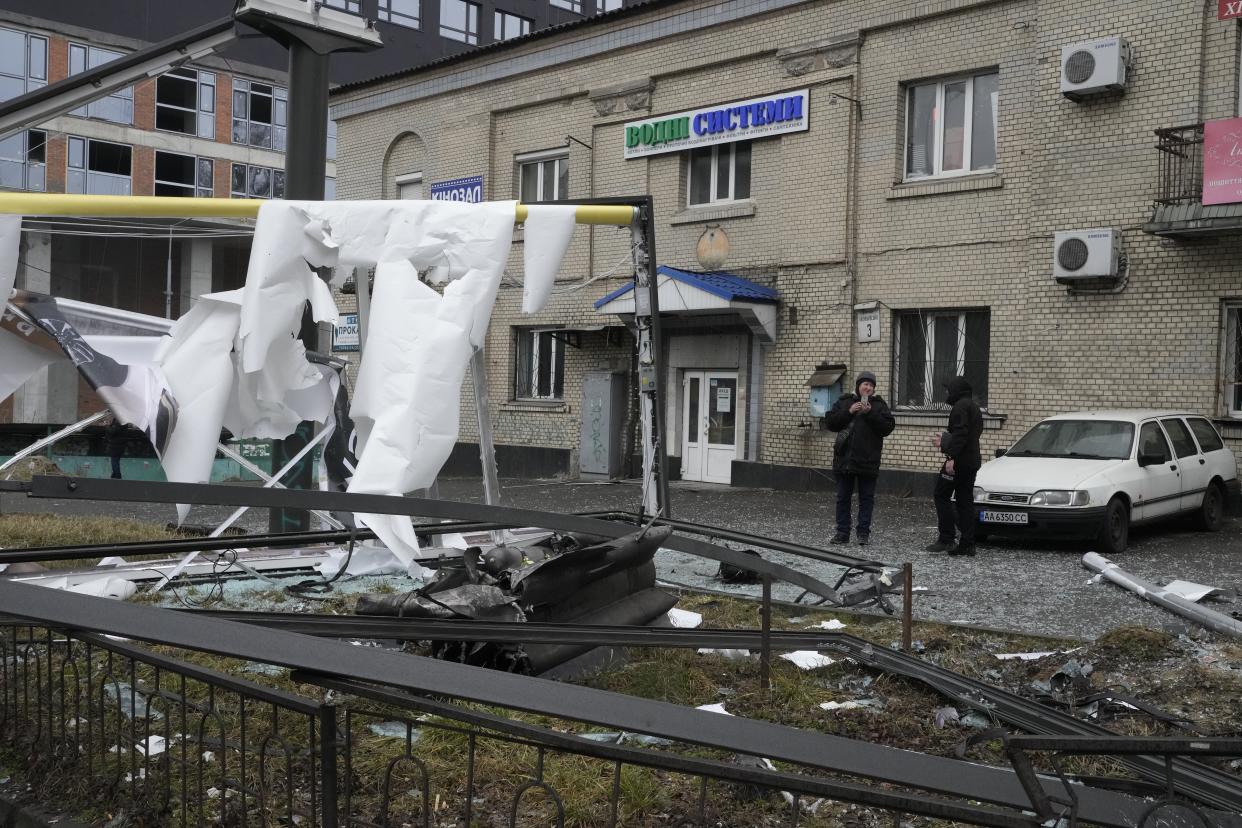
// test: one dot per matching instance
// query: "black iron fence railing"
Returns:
(95, 720)
(1181, 164)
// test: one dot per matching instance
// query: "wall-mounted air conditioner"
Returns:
(1079, 255)
(1094, 66)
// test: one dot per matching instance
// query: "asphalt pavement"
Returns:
(1030, 585)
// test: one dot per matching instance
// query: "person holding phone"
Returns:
(862, 420)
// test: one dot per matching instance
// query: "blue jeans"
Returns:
(866, 502)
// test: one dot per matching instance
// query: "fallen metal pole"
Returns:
(718, 533)
(907, 609)
(1215, 621)
(870, 795)
(200, 494)
(566, 701)
(1192, 779)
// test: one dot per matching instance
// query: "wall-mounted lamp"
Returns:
(832, 99)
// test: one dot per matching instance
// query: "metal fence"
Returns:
(92, 719)
(1181, 164)
(168, 742)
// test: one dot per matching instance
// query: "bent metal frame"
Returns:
(635, 213)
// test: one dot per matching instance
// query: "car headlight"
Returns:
(1058, 497)
(980, 494)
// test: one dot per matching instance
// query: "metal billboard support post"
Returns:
(651, 375)
(310, 44)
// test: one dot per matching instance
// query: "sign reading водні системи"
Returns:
(721, 124)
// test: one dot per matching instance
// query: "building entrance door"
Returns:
(709, 425)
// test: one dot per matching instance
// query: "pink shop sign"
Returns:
(1222, 161)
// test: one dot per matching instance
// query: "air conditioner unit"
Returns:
(1094, 66)
(1079, 255)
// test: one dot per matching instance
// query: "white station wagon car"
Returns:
(1096, 473)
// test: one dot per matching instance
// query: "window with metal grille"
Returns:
(185, 102)
(932, 347)
(602, 6)
(543, 176)
(117, 107)
(260, 114)
(1232, 373)
(508, 26)
(540, 366)
(459, 20)
(351, 6)
(951, 126)
(400, 12)
(718, 174)
(572, 5)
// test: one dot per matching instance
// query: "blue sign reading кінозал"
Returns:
(469, 190)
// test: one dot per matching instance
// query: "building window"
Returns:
(183, 175)
(185, 102)
(572, 5)
(718, 174)
(459, 20)
(540, 366)
(23, 161)
(117, 107)
(1232, 379)
(951, 126)
(329, 189)
(543, 176)
(351, 6)
(99, 167)
(251, 181)
(400, 12)
(934, 346)
(23, 63)
(331, 148)
(260, 114)
(602, 6)
(410, 186)
(509, 26)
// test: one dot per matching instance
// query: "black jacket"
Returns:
(117, 436)
(866, 441)
(961, 442)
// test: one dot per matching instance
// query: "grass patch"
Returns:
(1136, 642)
(40, 529)
(26, 470)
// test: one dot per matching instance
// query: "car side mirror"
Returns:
(1000, 452)
(1146, 459)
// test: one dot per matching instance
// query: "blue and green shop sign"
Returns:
(719, 124)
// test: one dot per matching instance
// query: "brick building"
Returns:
(906, 225)
(216, 127)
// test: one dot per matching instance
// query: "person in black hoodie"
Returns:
(862, 421)
(960, 446)
(116, 435)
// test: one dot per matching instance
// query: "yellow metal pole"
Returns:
(67, 204)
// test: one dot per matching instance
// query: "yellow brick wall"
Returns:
(982, 241)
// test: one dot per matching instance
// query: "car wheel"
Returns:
(1115, 533)
(1211, 512)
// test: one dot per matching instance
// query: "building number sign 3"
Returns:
(869, 325)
